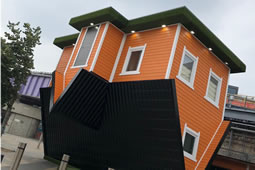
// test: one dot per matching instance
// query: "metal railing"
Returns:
(241, 101)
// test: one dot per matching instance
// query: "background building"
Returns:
(26, 114)
(238, 149)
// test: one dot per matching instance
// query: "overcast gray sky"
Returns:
(233, 21)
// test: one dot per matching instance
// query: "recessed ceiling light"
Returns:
(226, 63)
(163, 26)
(96, 27)
(192, 32)
(132, 31)
(91, 23)
(210, 49)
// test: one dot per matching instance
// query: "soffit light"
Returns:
(132, 31)
(163, 26)
(91, 23)
(192, 32)
(210, 49)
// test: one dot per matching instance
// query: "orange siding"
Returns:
(108, 52)
(58, 85)
(194, 109)
(72, 71)
(155, 60)
(67, 51)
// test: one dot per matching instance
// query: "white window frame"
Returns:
(196, 142)
(219, 79)
(86, 63)
(130, 50)
(194, 68)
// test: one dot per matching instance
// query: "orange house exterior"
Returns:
(166, 39)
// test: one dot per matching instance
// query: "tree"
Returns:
(17, 49)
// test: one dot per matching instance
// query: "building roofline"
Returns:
(179, 15)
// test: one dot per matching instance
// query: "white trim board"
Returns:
(99, 47)
(223, 112)
(171, 58)
(71, 56)
(118, 57)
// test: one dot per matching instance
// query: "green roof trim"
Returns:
(179, 15)
(67, 40)
(106, 14)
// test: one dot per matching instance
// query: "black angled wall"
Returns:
(139, 126)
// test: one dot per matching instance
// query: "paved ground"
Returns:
(32, 158)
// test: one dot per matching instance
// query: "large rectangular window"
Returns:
(86, 47)
(213, 89)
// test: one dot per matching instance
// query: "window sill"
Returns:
(189, 156)
(80, 66)
(212, 102)
(129, 73)
(185, 82)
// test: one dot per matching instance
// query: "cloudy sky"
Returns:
(233, 21)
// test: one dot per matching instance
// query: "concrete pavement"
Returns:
(32, 158)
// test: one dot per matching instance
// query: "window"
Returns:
(213, 88)
(133, 60)
(188, 68)
(86, 47)
(190, 141)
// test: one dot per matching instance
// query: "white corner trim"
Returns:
(208, 145)
(171, 58)
(223, 112)
(196, 135)
(71, 56)
(99, 47)
(118, 57)
(193, 71)
(219, 79)
(126, 62)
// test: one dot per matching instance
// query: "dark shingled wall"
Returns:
(139, 128)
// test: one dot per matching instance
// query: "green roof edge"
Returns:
(179, 15)
(67, 40)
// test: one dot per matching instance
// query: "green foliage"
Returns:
(17, 47)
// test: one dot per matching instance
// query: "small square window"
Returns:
(133, 60)
(190, 143)
(188, 68)
(213, 88)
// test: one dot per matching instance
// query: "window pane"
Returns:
(213, 85)
(189, 143)
(133, 61)
(86, 46)
(187, 68)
